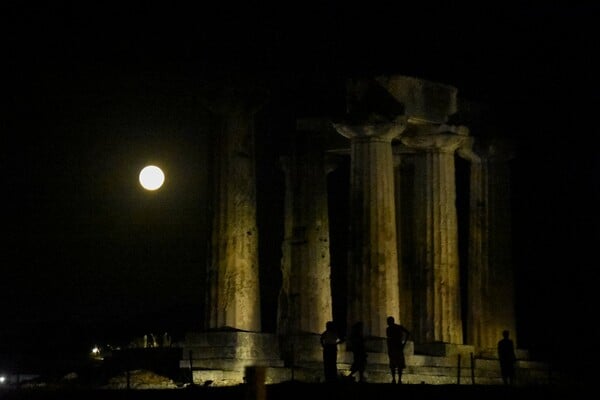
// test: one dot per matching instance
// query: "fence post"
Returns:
(458, 371)
(191, 367)
(255, 383)
(472, 369)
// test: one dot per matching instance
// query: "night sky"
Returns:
(94, 92)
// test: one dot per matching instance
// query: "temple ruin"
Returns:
(402, 137)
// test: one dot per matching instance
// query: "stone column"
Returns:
(491, 292)
(404, 171)
(233, 293)
(305, 302)
(232, 339)
(373, 259)
(437, 281)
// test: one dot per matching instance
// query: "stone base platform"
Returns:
(224, 359)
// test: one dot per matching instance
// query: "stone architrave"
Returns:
(373, 261)
(491, 292)
(233, 293)
(437, 297)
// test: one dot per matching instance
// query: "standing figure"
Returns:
(359, 352)
(397, 336)
(329, 342)
(507, 357)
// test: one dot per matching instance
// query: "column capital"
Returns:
(466, 152)
(382, 130)
(435, 137)
(418, 126)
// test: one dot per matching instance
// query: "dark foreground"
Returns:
(311, 391)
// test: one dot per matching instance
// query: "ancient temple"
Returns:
(402, 137)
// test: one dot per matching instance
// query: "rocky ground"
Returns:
(148, 385)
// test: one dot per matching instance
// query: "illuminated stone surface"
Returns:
(490, 281)
(305, 303)
(373, 261)
(437, 276)
(422, 99)
(404, 187)
(403, 251)
(233, 293)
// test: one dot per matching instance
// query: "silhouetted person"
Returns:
(356, 341)
(329, 342)
(397, 336)
(507, 357)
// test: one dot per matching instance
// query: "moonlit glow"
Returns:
(151, 177)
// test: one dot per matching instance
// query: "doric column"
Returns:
(491, 292)
(437, 281)
(373, 263)
(305, 303)
(233, 293)
(404, 171)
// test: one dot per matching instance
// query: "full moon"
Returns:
(151, 177)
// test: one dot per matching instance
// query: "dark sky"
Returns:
(94, 92)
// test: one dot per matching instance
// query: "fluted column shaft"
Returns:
(437, 288)
(404, 200)
(233, 294)
(373, 260)
(305, 303)
(491, 295)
